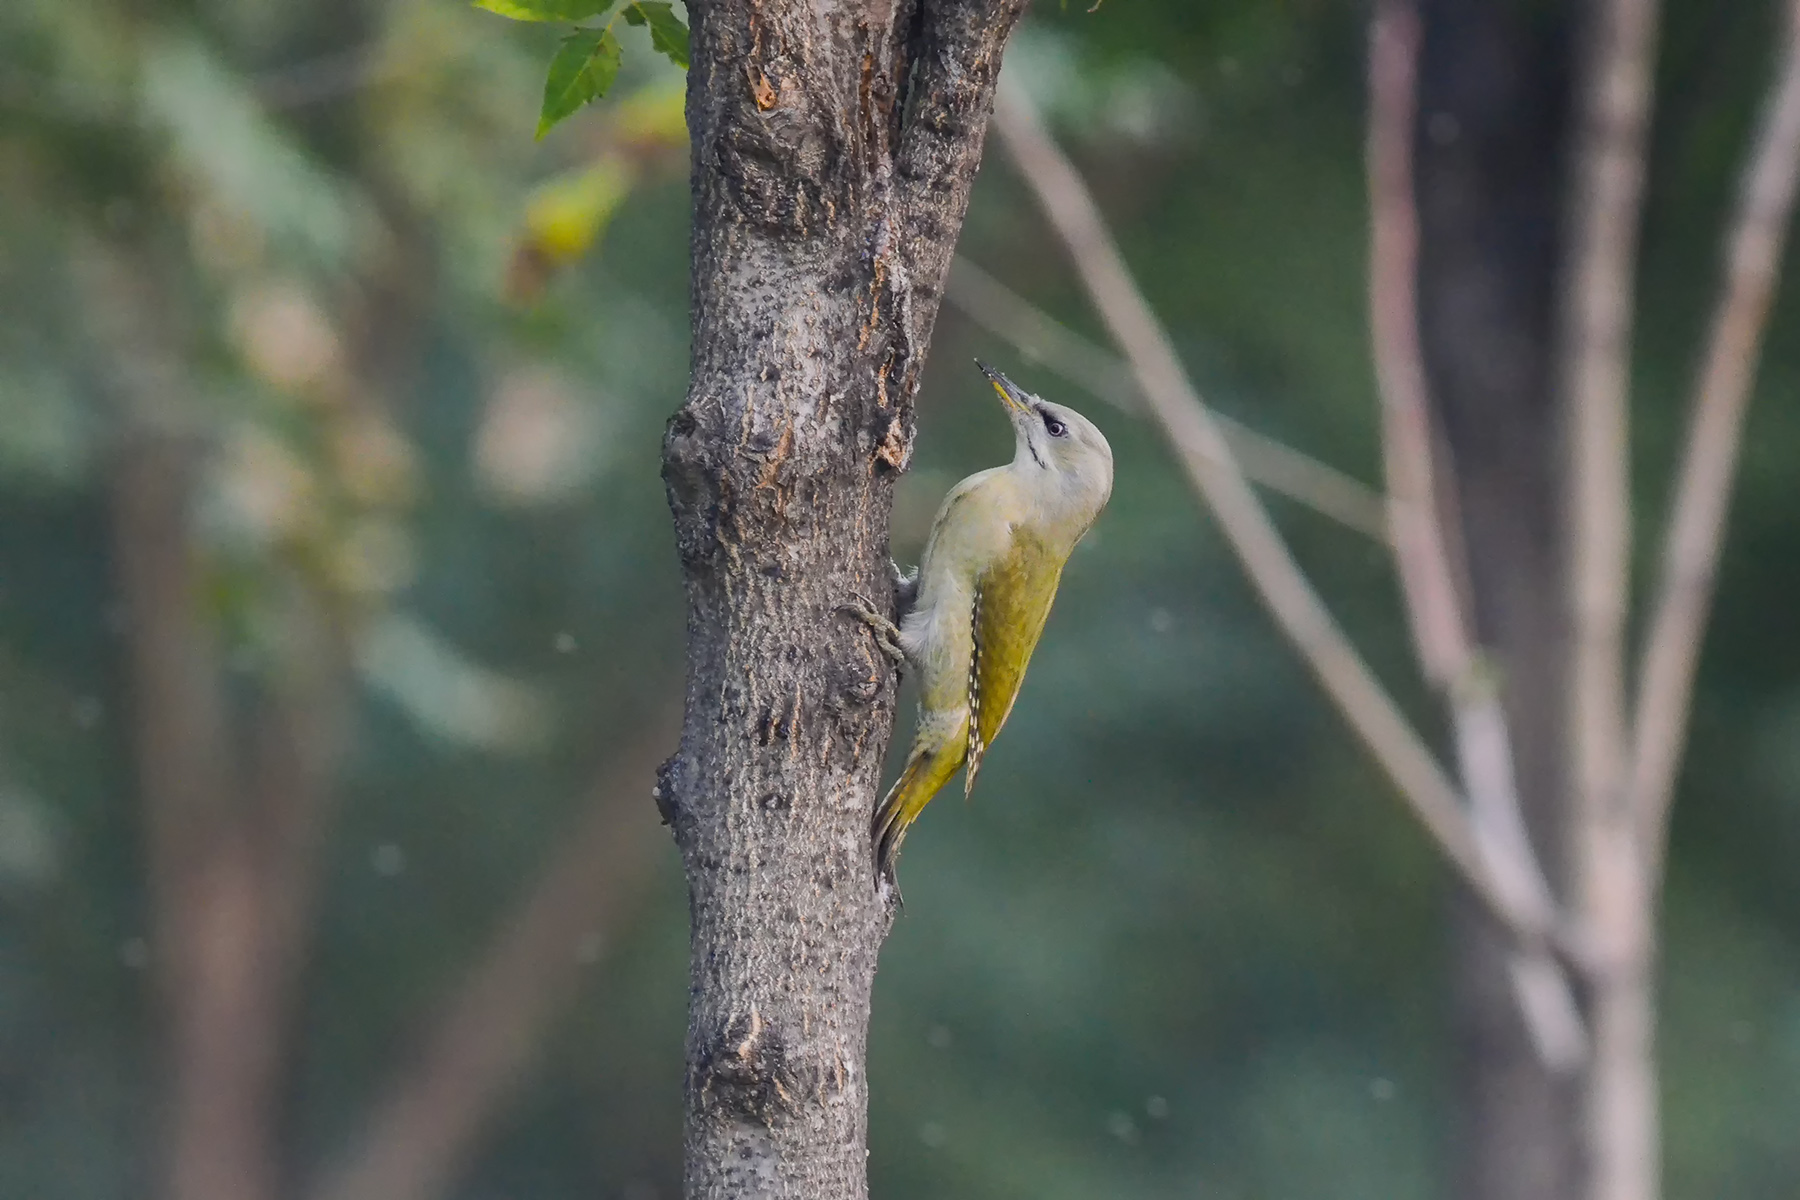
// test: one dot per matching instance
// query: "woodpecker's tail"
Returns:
(928, 768)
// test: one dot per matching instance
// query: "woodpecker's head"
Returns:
(1055, 438)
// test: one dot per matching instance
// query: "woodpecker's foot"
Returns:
(906, 586)
(887, 634)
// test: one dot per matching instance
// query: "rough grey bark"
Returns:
(1493, 115)
(834, 145)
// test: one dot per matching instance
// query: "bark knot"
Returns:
(744, 1070)
(773, 151)
(668, 804)
(896, 448)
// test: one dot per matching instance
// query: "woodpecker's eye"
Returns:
(1054, 427)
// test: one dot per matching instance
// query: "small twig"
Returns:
(1594, 375)
(1703, 494)
(1265, 461)
(1212, 468)
(1612, 895)
(1436, 605)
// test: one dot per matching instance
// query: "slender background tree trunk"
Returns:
(1492, 120)
(833, 151)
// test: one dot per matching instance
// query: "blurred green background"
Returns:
(1183, 943)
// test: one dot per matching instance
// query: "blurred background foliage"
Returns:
(417, 365)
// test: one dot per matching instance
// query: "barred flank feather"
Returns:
(976, 745)
(1012, 603)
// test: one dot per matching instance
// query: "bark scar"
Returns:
(745, 1070)
(894, 449)
(748, 1045)
(763, 92)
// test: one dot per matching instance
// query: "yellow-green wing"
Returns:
(1012, 602)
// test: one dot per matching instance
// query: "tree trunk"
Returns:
(232, 852)
(1493, 115)
(421, 1133)
(834, 146)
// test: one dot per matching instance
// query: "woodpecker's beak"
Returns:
(1011, 394)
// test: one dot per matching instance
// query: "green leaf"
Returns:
(581, 72)
(667, 34)
(546, 10)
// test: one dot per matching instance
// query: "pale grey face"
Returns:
(1062, 439)
(1055, 437)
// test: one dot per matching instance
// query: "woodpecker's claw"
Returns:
(887, 634)
(906, 586)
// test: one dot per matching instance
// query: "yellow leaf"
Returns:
(566, 215)
(653, 115)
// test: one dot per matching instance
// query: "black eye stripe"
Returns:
(1054, 427)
